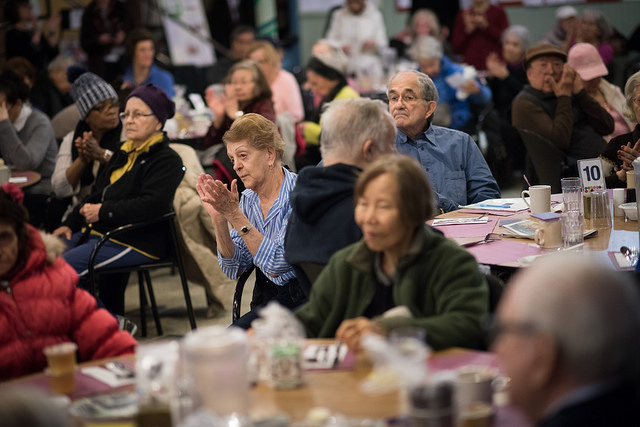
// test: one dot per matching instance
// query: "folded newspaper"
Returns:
(526, 228)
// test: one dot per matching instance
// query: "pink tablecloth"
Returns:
(503, 251)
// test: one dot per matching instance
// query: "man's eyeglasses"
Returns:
(494, 328)
(134, 116)
(408, 98)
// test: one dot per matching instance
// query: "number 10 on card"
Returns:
(591, 174)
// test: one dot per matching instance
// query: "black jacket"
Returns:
(321, 221)
(617, 407)
(144, 192)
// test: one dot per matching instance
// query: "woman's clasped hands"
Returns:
(216, 198)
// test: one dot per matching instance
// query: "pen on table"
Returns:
(336, 361)
(484, 205)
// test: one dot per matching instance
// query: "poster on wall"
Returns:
(185, 47)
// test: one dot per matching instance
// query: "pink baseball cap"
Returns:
(586, 60)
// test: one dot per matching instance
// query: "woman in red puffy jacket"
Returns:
(39, 302)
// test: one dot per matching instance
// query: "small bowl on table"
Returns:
(630, 210)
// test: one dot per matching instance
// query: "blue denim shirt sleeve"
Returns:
(458, 173)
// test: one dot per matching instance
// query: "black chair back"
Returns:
(548, 161)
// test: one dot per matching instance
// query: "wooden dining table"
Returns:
(338, 390)
(514, 252)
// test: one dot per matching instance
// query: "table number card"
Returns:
(591, 173)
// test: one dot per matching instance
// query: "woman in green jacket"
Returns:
(402, 273)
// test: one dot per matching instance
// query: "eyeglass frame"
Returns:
(134, 116)
(404, 98)
(494, 328)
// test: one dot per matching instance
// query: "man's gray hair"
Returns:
(591, 311)
(629, 90)
(425, 47)
(348, 123)
(428, 90)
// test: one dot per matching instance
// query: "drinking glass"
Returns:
(572, 195)
(572, 229)
(215, 368)
(600, 210)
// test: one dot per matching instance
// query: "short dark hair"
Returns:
(415, 197)
(136, 36)
(241, 29)
(11, 9)
(13, 87)
(22, 67)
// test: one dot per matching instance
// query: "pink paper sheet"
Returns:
(468, 230)
(503, 251)
(497, 213)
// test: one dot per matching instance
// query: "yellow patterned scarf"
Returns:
(127, 147)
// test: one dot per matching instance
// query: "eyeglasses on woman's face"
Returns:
(135, 115)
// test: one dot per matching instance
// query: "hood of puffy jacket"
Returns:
(43, 248)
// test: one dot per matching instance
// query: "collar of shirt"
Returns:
(424, 136)
(251, 201)
(21, 121)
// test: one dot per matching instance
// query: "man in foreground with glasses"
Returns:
(566, 334)
(457, 171)
(555, 105)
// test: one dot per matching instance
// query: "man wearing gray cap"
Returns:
(555, 105)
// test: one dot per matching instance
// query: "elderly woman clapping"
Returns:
(622, 150)
(137, 185)
(402, 273)
(260, 219)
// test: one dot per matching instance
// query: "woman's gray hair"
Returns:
(521, 32)
(348, 123)
(629, 89)
(425, 47)
(601, 22)
(434, 23)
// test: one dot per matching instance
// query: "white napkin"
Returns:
(107, 377)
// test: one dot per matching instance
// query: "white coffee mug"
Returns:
(549, 235)
(540, 197)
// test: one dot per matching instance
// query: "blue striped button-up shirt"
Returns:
(270, 255)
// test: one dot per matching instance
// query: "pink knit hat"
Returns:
(585, 59)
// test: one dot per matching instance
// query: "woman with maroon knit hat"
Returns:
(137, 185)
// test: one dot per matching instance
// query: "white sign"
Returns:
(591, 173)
(186, 48)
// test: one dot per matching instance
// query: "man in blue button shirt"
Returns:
(458, 173)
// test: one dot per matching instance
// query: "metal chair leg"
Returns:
(143, 305)
(154, 306)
